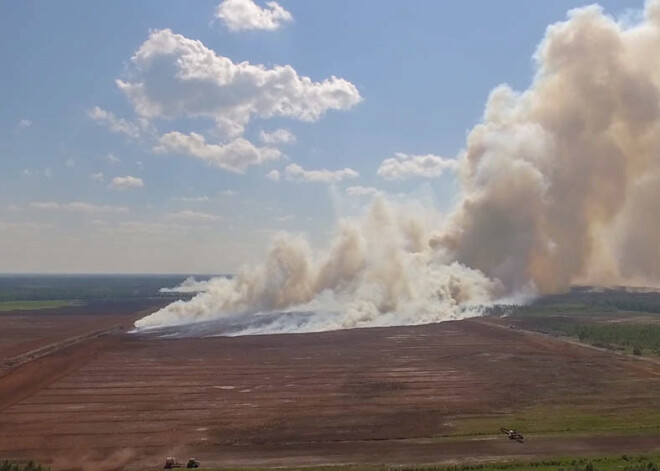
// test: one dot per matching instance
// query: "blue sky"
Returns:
(76, 196)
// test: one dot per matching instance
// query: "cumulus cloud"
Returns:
(273, 175)
(77, 207)
(125, 183)
(295, 172)
(361, 191)
(403, 166)
(193, 216)
(173, 76)
(279, 136)
(234, 156)
(99, 177)
(113, 123)
(242, 15)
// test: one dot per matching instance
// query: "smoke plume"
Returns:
(559, 184)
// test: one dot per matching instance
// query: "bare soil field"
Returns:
(398, 395)
(26, 330)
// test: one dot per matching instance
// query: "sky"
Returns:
(178, 137)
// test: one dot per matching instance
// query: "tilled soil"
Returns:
(358, 396)
(23, 331)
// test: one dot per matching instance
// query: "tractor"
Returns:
(171, 462)
(512, 434)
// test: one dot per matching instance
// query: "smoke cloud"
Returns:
(379, 270)
(559, 184)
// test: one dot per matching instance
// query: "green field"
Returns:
(616, 319)
(637, 337)
(618, 463)
(564, 420)
(35, 305)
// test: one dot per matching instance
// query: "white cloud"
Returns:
(77, 206)
(279, 136)
(296, 173)
(70, 163)
(99, 177)
(234, 156)
(24, 123)
(196, 216)
(22, 226)
(115, 124)
(112, 158)
(46, 205)
(139, 228)
(240, 15)
(273, 175)
(229, 193)
(361, 191)
(191, 199)
(46, 173)
(173, 76)
(125, 183)
(403, 166)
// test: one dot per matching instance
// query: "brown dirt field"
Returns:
(22, 382)
(23, 331)
(29, 337)
(360, 396)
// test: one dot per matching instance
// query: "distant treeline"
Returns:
(638, 337)
(604, 299)
(86, 288)
(635, 305)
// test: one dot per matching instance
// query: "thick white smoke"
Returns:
(559, 184)
(380, 270)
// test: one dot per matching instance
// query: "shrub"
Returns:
(649, 466)
(15, 466)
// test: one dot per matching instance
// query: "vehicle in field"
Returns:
(512, 434)
(171, 462)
